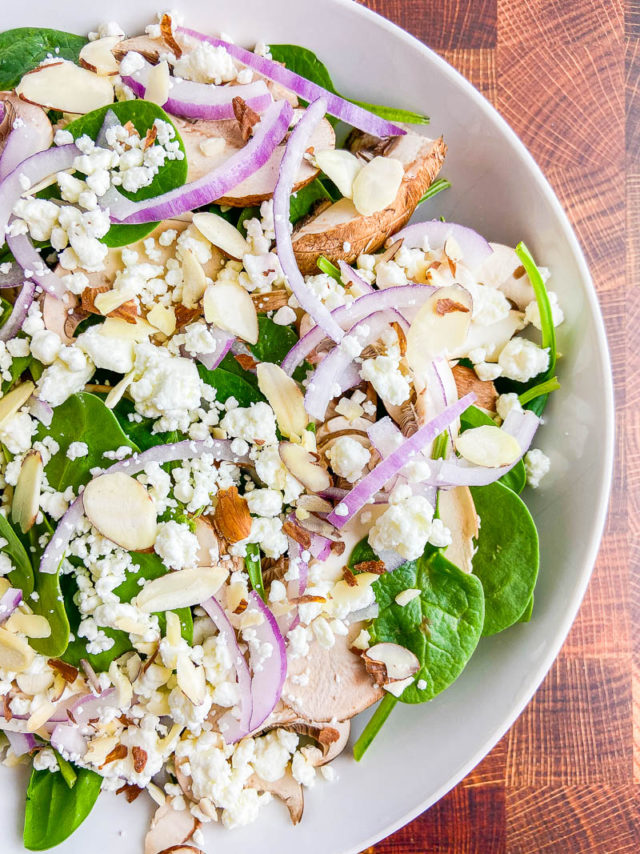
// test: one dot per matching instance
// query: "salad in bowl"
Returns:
(264, 432)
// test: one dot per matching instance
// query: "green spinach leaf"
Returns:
(24, 48)
(53, 810)
(441, 627)
(274, 341)
(22, 576)
(305, 199)
(507, 557)
(228, 384)
(362, 551)
(85, 418)
(253, 565)
(139, 431)
(142, 115)
(303, 61)
(528, 611)
(50, 604)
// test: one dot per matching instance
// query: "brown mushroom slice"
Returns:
(181, 849)
(287, 789)
(210, 143)
(150, 48)
(169, 828)
(184, 780)
(339, 225)
(339, 686)
(458, 513)
(62, 316)
(331, 739)
(467, 380)
(32, 115)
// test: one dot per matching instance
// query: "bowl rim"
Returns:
(606, 460)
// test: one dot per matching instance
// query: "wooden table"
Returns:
(566, 76)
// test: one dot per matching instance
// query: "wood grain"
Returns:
(566, 76)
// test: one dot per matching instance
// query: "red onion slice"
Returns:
(220, 449)
(346, 111)
(34, 267)
(268, 134)
(232, 728)
(225, 342)
(24, 140)
(19, 313)
(34, 169)
(8, 603)
(385, 436)
(289, 166)
(385, 470)
(350, 276)
(21, 742)
(402, 296)
(475, 248)
(41, 410)
(13, 278)
(68, 740)
(90, 707)
(268, 673)
(202, 100)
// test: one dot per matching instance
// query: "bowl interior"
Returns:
(422, 751)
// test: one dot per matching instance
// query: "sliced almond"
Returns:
(488, 446)
(117, 392)
(15, 652)
(285, 398)
(66, 87)
(122, 684)
(232, 517)
(122, 510)
(303, 466)
(31, 625)
(208, 544)
(15, 399)
(98, 56)
(26, 497)
(191, 679)
(35, 683)
(222, 234)
(376, 185)
(343, 593)
(228, 306)
(194, 279)
(181, 589)
(109, 301)
(341, 167)
(41, 715)
(434, 331)
(314, 504)
(99, 748)
(163, 317)
(157, 88)
(390, 662)
(116, 327)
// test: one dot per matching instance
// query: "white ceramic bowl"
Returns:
(422, 751)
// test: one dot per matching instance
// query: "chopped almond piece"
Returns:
(297, 533)
(375, 566)
(120, 751)
(139, 759)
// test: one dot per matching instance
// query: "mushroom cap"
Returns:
(339, 686)
(169, 829)
(286, 788)
(259, 186)
(340, 224)
(458, 513)
(31, 114)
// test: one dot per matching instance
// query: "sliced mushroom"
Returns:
(181, 849)
(331, 739)
(169, 828)
(203, 156)
(340, 225)
(62, 316)
(467, 380)
(34, 118)
(145, 45)
(458, 513)
(287, 789)
(339, 686)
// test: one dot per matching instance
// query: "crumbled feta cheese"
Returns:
(76, 450)
(176, 546)
(255, 422)
(348, 458)
(532, 312)
(384, 375)
(406, 525)
(521, 360)
(537, 465)
(507, 403)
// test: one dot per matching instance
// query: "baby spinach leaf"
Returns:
(441, 627)
(362, 551)
(437, 187)
(274, 341)
(149, 567)
(142, 115)
(303, 61)
(253, 565)
(24, 48)
(528, 611)
(18, 367)
(85, 418)
(374, 725)
(328, 268)
(53, 810)
(228, 384)
(139, 432)
(22, 576)
(507, 557)
(515, 479)
(305, 199)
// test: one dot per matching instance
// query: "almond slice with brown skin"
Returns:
(97, 56)
(436, 330)
(122, 510)
(229, 307)
(232, 517)
(181, 589)
(66, 87)
(26, 497)
(285, 398)
(303, 466)
(390, 662)
(222, 234)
